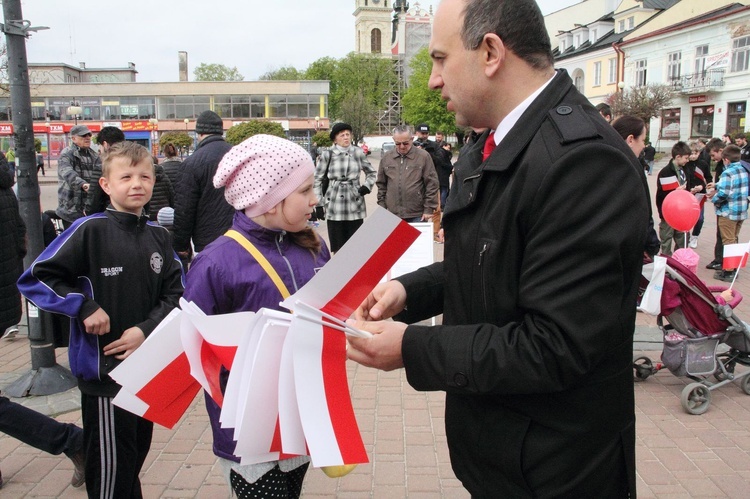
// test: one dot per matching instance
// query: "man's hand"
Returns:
(385, 301)
(383, 350)
(130, 340)
(97, 323)
(85, 187)
(426, 218)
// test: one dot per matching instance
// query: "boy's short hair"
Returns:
(715, 144)
(695, 146)
(731, 153)
(604, 109)
(132, 151)
(111, 135)
(680, 149)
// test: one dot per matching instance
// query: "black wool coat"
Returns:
(12, 249)
(543, 255)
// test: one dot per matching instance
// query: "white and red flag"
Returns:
(735, 256)
(669, 183)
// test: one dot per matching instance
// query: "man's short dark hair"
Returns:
(111, 135)
(740, 135)
(604, 109)
(680, 149)
(518, 23)
(731, 152)
(715, 144)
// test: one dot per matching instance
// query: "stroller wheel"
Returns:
(695, 398)
(745, 384)
(643, 368)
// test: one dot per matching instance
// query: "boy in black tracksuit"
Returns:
(116, 276)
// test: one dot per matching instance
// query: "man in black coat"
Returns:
(201, 213)
(544, 238)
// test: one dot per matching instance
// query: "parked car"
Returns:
(387, 147)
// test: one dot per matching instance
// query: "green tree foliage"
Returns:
(322, 138)
(645, 102)
(422, 105)
(37, 145)
(322, 69)
(216, 72)
(240, 132)
(180, 140)
(363, 84)
(283, 73)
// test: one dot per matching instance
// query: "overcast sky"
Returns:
(252, 35)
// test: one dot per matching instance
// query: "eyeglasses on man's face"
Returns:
(404, 143)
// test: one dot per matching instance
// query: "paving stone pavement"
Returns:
(678, 455)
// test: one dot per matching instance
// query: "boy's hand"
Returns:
(97, 323)
(130, 340)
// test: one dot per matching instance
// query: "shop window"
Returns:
(670, 124)
(736, 117)
(702, 122)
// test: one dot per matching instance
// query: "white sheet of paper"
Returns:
(262, 399)
(419, 254)
(126, 400)
(290, 422)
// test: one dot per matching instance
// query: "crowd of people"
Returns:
(532, 252)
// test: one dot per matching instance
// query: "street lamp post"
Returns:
(187, 122)
(75, 110)
(49, 146)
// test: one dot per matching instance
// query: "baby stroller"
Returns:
(701, 338)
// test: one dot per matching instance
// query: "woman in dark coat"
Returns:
(163, 194)
(12, 249)
(172, 163)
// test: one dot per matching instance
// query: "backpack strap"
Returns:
(255, 253)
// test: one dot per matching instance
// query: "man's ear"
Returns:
(493, 53)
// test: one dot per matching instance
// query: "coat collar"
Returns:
(254, 231)
(126, 221)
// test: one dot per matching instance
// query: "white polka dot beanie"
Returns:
(261, 172)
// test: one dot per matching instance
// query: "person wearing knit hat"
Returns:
(209, 123)
(269, 182)
(337, 185)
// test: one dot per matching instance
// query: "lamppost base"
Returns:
(42, 381)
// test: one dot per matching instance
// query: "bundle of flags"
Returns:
(287, 391)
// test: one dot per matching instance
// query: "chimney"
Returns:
(183, 65)
(82, 65)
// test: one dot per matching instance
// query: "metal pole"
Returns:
(46, 376)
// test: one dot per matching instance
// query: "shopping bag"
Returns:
(650, 302)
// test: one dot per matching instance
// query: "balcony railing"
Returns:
(705, 81)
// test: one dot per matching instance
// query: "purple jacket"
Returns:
(224, 278)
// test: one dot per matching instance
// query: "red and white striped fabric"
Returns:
(669, 183)
(162, 380)
(735, 256)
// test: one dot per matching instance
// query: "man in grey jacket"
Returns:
(75, 172)
(407, 183)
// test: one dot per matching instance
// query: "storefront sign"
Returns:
(6, 129)
(138, 125)
(697, 98)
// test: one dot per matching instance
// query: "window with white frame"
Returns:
(562, 46)
(631, 22)
(675, 65)
(612, 70)
(640, 72)
(592, 35)
(701, 52)
(621, 26)
(741, 54)
(597, 74)
(577, 43)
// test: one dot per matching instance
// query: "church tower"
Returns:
(372, 26)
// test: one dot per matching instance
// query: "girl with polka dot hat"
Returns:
(269, 181)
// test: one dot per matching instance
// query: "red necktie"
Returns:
(489, 146)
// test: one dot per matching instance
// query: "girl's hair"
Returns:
(306, 238)
(170, 151)
(629, 125)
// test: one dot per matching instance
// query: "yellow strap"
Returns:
(260, 259)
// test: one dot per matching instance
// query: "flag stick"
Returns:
(335, 320)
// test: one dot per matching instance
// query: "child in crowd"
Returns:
(670, 178)
(116, 276)
(269, 181)
(730, 200)
(701, 171)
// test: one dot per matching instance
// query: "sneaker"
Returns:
(10, 333)
(714, 265)
(693, 242)
(79, 470)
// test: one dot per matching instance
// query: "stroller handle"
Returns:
(736, 298)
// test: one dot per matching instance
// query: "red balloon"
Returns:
(681, 210)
